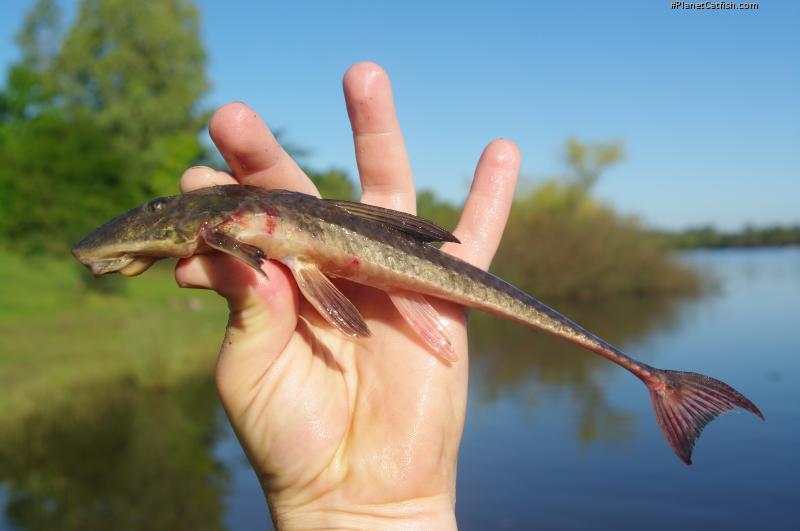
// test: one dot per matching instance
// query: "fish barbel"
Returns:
(385, 249)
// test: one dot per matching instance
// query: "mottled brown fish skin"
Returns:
(166, 226)
(387, 258)
(380, 248)
(289, 224)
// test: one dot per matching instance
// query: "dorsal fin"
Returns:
(420, 228)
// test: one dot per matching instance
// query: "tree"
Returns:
(586, 161)
(139, 71)
(40, 36)
(26, 94)
(332, 184)
(562, 242)
(99, 121)
(437, 210)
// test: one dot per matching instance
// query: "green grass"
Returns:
(57, 336)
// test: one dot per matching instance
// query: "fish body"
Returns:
(385, 249)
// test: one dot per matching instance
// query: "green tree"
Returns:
(139, 71)
(586, 161)
(332, 184)
(40, 36)
(749, 236)
(99, 121)
(437, 210)
(25, 94)
(561, 242)
(56, 177)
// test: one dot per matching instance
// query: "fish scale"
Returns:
(384, 249)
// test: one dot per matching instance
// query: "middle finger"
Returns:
(381, 155)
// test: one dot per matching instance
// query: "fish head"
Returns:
(131, 242)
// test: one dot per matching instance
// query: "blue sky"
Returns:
(706, 102)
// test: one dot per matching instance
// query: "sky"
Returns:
(704, 101)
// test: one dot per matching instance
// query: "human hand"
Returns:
(345, 432)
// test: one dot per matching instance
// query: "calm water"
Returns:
(586, 453)
(555, 438)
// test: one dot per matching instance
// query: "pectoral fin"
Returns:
(328, 300)
(425, 321)
(249, 254)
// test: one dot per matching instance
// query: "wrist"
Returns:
(430, 513)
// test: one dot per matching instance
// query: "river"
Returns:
(555, 438)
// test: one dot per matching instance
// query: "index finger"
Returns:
(253, 153)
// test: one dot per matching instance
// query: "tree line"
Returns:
(709, 237)
(107, 113)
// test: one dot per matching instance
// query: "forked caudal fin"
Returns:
(684, 402)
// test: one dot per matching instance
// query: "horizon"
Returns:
(703, 101)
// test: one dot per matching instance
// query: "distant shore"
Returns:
(749, 237)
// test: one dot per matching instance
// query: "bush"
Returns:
(560, 242)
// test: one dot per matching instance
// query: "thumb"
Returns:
(263, 315)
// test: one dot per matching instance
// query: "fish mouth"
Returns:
(104, 266)
(100, 265)
(126, 264)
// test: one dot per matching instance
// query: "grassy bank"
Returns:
(56, 336)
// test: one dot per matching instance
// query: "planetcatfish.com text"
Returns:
(712, 6)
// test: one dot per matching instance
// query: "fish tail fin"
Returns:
(685, 402)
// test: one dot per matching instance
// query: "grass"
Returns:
(56, 336)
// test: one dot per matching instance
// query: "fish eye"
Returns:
(156, 205)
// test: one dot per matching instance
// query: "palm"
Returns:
(353, 405)
(327, 420)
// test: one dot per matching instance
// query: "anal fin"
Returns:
(249, 254)
(331, 303)
(425, 321)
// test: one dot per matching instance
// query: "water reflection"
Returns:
(509, 359)
(123, 458)
(116, 457)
